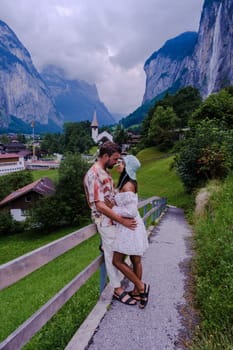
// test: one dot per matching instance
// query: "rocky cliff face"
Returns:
(23, 93)
(214, 49)
(75, 99)
(48, 98)
(207, 62)
(168, 67)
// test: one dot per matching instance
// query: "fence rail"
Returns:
(16, 269)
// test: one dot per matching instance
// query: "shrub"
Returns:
(205, 154)
(68, 206)
(6, 222)
(13, 181)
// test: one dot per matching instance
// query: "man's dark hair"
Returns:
(109, 148)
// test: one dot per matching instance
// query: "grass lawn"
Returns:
(213, 270)
(51, 173)
(157, 178)
(20, 300)
(13, 246)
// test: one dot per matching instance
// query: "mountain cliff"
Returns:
(214, 50)
(23, 94)
(167, 67)
(75, 99)
(48, 98)
(203, 60)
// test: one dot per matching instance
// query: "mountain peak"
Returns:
(176, 48)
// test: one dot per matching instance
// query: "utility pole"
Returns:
(33, 140)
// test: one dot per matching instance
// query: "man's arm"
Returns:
(104, 209)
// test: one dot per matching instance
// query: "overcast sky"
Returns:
(105, 42)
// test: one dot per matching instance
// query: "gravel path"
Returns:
(160, 325)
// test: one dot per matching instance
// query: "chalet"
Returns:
(14, 147)
(41, 164)
(19, 201)
(11, 162)
(133, 139)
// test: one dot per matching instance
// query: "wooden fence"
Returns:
(18, 268)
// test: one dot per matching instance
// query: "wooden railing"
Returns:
(16, 269)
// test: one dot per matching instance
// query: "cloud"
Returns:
(103, 42)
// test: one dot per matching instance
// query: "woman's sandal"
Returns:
(135, 296)
(144, 296)
(121, 298)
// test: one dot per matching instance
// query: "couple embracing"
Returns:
(118, 221)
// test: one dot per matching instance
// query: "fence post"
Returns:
(103, 272)
(157, 210)
(144, 213)
(103, 277)
(164, 202)
(153, 215)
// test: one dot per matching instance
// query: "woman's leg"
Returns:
(118, 262)
(137, 268)
(143, 288)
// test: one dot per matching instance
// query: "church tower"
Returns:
(94, 128)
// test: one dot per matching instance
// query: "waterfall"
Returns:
(214, 60)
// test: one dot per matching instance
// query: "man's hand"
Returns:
(109, 202)
(129, 223)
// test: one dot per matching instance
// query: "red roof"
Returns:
(43, 186)
(9, 155)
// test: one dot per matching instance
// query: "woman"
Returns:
(130, 242)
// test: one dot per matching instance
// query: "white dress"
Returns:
(129, 242)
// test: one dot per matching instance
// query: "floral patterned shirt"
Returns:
(98, 184)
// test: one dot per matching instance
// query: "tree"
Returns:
(21, 138)
(68, 206)
(120, 135)
(4, 139)
(77, 137)
(162, 127)
(12, 182)
(205, 154)
(184, 103)
(6, 222)
(70, 187)
(218, 106)
(46, 214)
(52, 143)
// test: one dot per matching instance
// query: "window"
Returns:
(28, 198)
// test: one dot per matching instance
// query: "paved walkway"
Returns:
(159, 326)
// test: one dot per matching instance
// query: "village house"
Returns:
(19, 201)
(11, 162)
(14, 147)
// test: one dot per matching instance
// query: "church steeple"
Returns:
(94, 127)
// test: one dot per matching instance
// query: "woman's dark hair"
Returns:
(124, 178)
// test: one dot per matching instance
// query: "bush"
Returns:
(6, 222)
(13, 181)
(68, 206)
(205, 154)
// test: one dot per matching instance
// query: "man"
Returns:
(99, 186)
